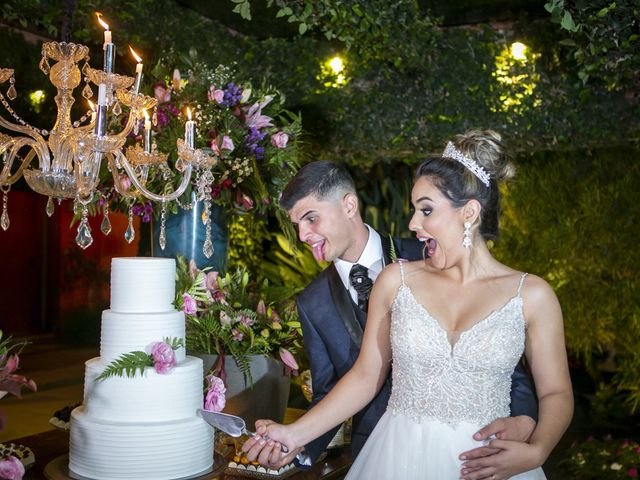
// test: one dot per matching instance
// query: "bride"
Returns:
(454, 326)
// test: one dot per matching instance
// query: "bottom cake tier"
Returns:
(103, 450)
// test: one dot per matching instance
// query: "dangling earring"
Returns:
(466, 235)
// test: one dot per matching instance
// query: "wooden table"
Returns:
(50, 445)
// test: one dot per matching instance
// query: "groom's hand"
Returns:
(517, 428)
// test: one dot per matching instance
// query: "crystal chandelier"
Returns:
(70, 155)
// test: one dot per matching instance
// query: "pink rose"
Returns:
(287, 359)
(215, 95)
(227, 144)
(215, 399)
(633, 473)
(11, 468)
(279, 139)
(163, 357)
(188, 304)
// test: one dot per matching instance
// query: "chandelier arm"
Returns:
(150, 195)
(36, 141)
(6, 178)
(116, 180)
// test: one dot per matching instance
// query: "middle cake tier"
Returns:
(144, 398)
(127, 332)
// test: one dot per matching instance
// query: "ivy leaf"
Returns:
(567, 22)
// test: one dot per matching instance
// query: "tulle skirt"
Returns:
(401, 449)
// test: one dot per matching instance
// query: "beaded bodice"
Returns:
(467, 381)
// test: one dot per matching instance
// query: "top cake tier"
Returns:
(142, 284)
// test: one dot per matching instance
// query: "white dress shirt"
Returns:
(371, 258)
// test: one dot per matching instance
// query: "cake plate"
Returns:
(58, 469)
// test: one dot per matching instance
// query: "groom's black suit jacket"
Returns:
(332, 327)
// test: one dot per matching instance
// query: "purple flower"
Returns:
(227, 144)
(279, 139)
(232, 95)
(215, 399)
(188, 304)
(11, 468)
(245, 320)
(251, 141)
(163, 357)
(237, 335)
(254, 117)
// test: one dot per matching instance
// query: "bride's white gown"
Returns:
(442, 394)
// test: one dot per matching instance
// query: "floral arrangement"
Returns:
(10, 466)
(246, 129)
(162, 358)
(603, 459)
(9, 362)
(226, 314)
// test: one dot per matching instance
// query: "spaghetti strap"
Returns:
(401, 273)
(521, 283)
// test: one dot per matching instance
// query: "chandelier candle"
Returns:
(136, 87)
(190, 131)
(101, 119)
(108, 46)
(147, 133)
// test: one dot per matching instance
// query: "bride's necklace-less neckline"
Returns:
(457, 335)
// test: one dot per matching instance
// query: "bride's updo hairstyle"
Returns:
(460, 184)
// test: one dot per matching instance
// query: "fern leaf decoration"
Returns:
(127, 364)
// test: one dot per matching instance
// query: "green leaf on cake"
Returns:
(128, 364)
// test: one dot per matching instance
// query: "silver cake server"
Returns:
(229, 424)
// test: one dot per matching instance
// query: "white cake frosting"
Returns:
(126, 332)
(140, 284)
(143, 426)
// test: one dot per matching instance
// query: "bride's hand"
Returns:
(266, 446)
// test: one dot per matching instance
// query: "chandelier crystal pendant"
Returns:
(71, 154)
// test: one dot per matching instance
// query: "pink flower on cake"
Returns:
(188, 304)
(279, 140)
(215, 399)
(11, 468)
(163, 357)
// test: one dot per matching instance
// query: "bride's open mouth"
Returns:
(430, 245)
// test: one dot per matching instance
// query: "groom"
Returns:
(322, 203)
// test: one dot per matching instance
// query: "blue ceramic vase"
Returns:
(185, 234)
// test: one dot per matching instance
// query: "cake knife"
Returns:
(229, 424)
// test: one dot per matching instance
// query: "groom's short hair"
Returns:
(321, 179)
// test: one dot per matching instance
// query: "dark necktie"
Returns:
(359, 278)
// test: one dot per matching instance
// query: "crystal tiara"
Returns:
(452, 152)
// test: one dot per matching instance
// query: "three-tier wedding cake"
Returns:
(143, 426)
